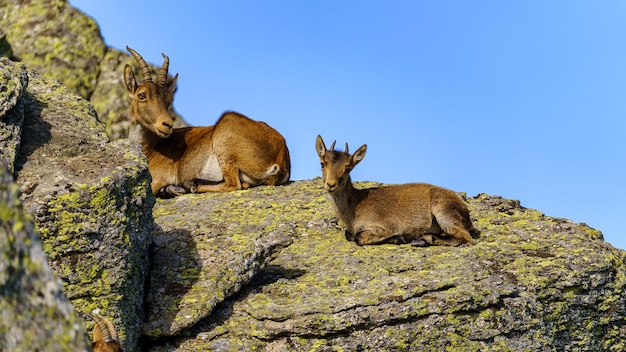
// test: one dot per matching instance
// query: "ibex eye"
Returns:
(142, 95)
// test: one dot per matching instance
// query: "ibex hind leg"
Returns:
(444, 240)
(230, 172)
(454, 230)
(453, 235)
(372, 235)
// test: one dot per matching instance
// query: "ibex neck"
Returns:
(345, 200)
(142, 135)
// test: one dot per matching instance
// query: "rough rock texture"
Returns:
(59, 41)
(13, 82)
(35, 314)
(52, 37)
(531, 282)
(92, 206)
(264, 269)
(90, 201)
(201, 258)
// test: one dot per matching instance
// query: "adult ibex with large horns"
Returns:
(235, 153)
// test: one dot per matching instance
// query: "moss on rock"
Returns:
(529, 282)
(55, 39)
(13, 83)
(35, 314)
(91, 202)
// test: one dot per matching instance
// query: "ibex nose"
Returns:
(164, 128)
(330, 186)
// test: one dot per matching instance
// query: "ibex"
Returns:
(104, 336)
(235, 153)
(415, 213)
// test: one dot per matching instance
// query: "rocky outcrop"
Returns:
(14, 81)
(263, 269)
(530, 282)
(57, 40)
(269, 268)
(89, 198)
(92, 206)
(35, 314)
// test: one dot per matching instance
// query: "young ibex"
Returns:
(104, 336)
(235, 153)
(416, 213)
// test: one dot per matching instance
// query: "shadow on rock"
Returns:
(37, 130)
(176, 266)
(224, 310)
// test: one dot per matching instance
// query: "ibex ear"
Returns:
(320, 147)
(129, 79)
(171, 84)
(358, 155)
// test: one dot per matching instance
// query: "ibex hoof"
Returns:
(173, 190)
(190, 186)
(349, 236)
(418, 242)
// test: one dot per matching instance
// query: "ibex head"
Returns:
(105, 336)
(336, 165)
(150, 101)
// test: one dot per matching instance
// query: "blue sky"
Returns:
(524, 99)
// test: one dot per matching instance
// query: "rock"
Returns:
(55, 39)
(266, 268)
(203, 255)
(59, 41)
(90, 200)
(13, 82)
(35, 314)
(5, 47)
(92, 205)
(529, 282)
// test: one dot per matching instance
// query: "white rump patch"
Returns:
(211, 171)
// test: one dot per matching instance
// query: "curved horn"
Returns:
(106, 328)
(347, 152)
(162, 75)
(146, 73)
(332, 146)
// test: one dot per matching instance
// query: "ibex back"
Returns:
(416, 213)
(235, 153)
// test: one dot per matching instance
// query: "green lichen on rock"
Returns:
(13, 83)
(35, 314)
(202, 259)
(5, 47)
(266, 268)
(60, 41)
(55, 39)
(529, 282)
(91, 202)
